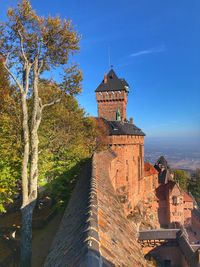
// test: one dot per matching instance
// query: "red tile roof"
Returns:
(149, 169)
(187, 197)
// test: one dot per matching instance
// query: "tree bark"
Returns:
(26, 236)
(30, 179)
(26, 209)
(35, 122)
(25, 161)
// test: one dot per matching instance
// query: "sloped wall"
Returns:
(94, 230)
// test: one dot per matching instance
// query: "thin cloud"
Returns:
(148, 51)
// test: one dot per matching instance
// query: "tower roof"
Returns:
(163, 162)
(112, 83)
(121, 128)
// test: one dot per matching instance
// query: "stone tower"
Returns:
(125, 140)
(111, 96)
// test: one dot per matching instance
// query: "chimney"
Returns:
(105, 78)
(131, 120)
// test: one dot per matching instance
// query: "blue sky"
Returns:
(154, 45)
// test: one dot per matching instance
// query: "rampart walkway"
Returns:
(161, 234)
(94, 231)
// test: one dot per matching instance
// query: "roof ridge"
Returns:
(93, 256)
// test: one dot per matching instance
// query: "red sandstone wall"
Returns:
(149, 185)
(188, 206)
(127, 170)
(109, 102)
(176, 211)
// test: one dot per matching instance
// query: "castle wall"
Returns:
(94, 230)
(188, 207)
(127, 174)
(109, 102)
(150, 202)
(163, 213)
(176, 207)
(127, 170)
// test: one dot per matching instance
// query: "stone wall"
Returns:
(127, 170)
(94, 230)
(176, 206)
(195, 222)
(109, 102)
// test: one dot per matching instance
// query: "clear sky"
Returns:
(154, 45)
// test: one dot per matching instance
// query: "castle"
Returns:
(134, 180)
(123, 209)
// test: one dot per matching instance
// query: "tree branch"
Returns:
(51, 103)
(12, 75)
(27, 78)
(40, 67)
(22, 46)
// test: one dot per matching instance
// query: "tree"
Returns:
(194, 185)
(182, 178)
(29, 46)
(66, 135)
(10, 135)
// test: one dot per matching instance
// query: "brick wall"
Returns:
(127, 170)
(176, 206)
(109, 102)
(188, 207)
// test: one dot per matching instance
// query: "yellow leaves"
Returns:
(3, 190)
(10, 12)
(54, 22)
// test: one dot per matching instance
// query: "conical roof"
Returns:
(163, 162)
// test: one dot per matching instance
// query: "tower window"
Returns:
(174, 200)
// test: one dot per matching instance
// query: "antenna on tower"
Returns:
(109, 59)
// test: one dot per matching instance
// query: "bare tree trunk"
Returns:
(35, 122)
(26, 235)
(26, 210)
(25, 189)
(30, 193)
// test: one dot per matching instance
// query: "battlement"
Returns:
(112, 97)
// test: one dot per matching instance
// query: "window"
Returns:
(174, 200)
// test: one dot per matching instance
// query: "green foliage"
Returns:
(30, 45)
(8, 183)
(182, 177)
(66, 140)
(9, 141)
(66, 136)
(63, 183)
(194, 185)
